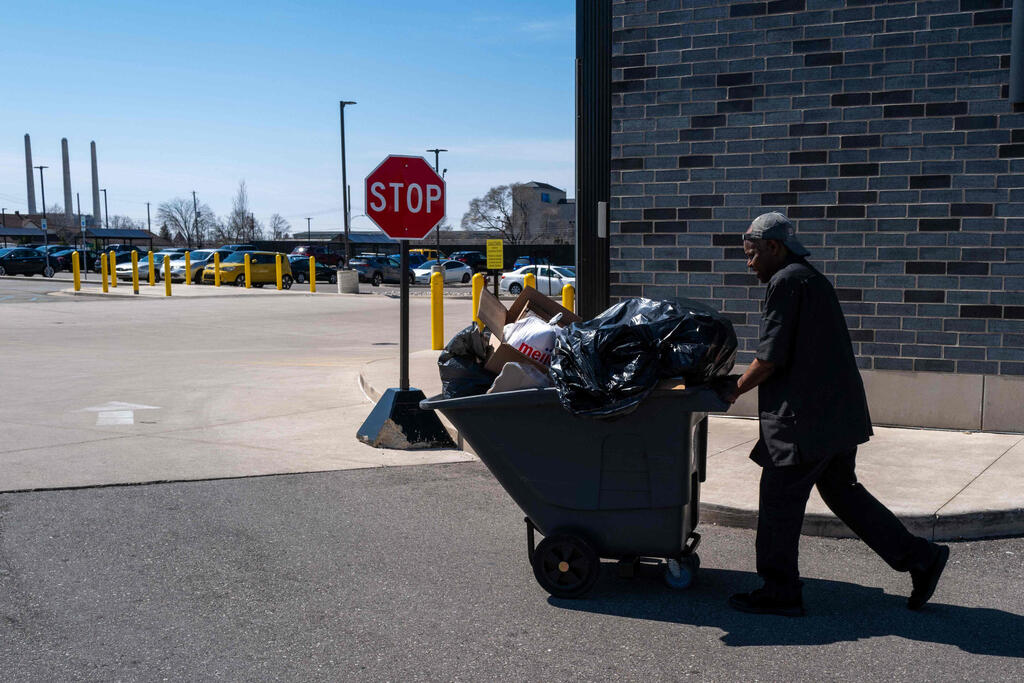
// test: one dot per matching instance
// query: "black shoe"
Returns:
(759, 602)
(925, 580)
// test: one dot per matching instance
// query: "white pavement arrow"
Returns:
(117, 412)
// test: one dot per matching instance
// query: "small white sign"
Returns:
(83, 222)
(44, 224)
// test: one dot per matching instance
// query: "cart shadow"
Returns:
(837, 611)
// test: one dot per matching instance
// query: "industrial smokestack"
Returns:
(29, 180)
(68, 206)
(95, 188)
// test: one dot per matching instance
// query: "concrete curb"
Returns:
(936, 526)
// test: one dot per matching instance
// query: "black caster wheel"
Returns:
(566, 566)
(681, 573)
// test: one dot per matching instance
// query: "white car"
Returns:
(550, 279)
(198, 260)
(454, 271)
(124, 270)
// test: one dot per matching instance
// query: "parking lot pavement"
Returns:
(102, 390)
(29, 289)
(420, 574)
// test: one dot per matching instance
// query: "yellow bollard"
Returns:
(478, 286)
(312, 274)
(112, 267)
(530, 280)
(569, 297)
(216, 269)
(152, 270)
(277, 265)
(135, 271)
(103, 272)
(75, 269)
(248, 273)
(188, 268)
(167, 275)
(437, 311)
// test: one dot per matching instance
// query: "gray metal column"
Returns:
(593, 152)
(69, 214)
(30, 182)
(96, 216)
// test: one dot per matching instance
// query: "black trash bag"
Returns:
(606, 366)
(462, 364)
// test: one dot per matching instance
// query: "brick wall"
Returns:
(883, 129)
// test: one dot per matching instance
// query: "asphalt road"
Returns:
(20, 289)
(420, 573)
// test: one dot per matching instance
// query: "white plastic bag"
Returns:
(532, 337)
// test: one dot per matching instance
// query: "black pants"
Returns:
(784, 493)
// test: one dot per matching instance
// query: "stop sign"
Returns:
(405, 197)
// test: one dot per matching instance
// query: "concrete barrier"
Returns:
(348, 282)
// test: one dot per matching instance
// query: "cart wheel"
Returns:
(681, 573)
(566, 566)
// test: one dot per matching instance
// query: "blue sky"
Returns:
(186, 95)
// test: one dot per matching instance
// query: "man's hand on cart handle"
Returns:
(725, 387)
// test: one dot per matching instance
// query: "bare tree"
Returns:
(239, 225)
(179, 216)
(500, 211)
(124, 223)
(279, 227)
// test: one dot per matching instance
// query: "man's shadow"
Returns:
(836, 612)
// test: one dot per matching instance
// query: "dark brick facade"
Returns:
(883, 128)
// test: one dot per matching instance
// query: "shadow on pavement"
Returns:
(836, 612)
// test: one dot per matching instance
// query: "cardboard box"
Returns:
(493, 314)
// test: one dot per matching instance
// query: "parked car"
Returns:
(122, 253)
(262, 266)
(376, 269)
(454, 271)
(61, 260)
(300, 270)
(239, 247)
(427, 254)
(51, 248)
(474, 259)
(550, 279)
(396, 262)
(21, 261)
(198, 260)
(123, 269)
(322, 253)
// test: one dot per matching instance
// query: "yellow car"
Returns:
(428, 254)
(262, 265)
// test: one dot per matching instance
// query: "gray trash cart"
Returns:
(623, 488)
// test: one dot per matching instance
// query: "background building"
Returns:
(543, 214)
(884, 129)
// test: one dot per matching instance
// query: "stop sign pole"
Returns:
(405, 197)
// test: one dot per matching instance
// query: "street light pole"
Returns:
(106, 212)
(309, 236)
(46, 229)
(437, 153)
(344, 185)
(149, 223)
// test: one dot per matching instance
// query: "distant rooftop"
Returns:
(543, 186)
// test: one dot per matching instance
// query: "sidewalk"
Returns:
(942, 484)
(191, 291)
